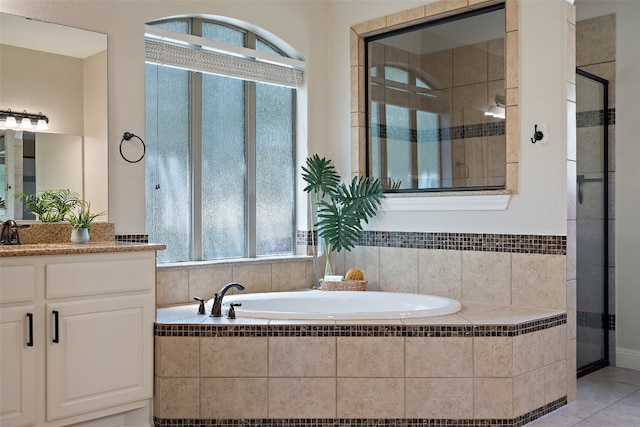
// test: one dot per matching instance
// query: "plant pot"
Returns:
(80, 235)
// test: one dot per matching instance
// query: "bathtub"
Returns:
(338, 305)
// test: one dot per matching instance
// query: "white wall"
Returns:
(627, 155)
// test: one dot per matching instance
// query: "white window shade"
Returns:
(193, 53)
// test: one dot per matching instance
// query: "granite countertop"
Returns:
(74, 249)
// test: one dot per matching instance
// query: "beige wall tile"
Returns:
(172, 286)
(254, 277)
(370, 357)
(486, 277)
(399, 270)
(539, 281)
(596, 40)
(370, 398)
(492, 356)
(204, 282)
(288, 276)
(233, 398)
(440, 273)
(512, 72)
(470, 64)
(450, 398)
(495, 61)
(439, 65)
(493, 398)
(176, 398)
(177, 356)
(439, 357)
(233, 356)
(528, 392)
(528, 352)
(555, 344)
(555, 381)
(367, 259)
(302, 356)
(302, 398)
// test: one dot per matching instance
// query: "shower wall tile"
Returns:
(176, 397)
(555, 344)
(439, 357)
(177, 357)
(233, 398)
(440, 273)
(447, 398)
(399, 269)
(493, 357)
(231, 357)
(371, 357)
(302, 356)
(370, 398)
(470, 64)
(493, 398)
(486, 277)
(539, 281)
(439, 65)
(302, 398)
(495, 63)
(595, 40)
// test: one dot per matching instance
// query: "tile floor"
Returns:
(609, 397)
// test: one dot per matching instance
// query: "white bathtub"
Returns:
(338, 305)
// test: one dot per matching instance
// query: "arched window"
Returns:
(220, 168)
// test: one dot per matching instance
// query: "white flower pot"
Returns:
(80, 235)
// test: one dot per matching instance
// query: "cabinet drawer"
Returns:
(17, 283)
(99, 277)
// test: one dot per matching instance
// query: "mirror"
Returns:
(60, 72)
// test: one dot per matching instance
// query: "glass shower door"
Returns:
(592, 211)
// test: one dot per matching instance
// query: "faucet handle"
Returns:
(232, 310)
(201, 308)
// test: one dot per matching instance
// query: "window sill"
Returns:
(493, 200)
(234, 262)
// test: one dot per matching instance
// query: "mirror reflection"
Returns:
(436, 104)
(60, 72)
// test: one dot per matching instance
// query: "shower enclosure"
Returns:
(592, 211)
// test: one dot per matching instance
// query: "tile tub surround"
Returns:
(486, 365)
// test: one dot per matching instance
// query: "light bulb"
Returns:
(25, 123)
(42, 125)
(11, 122)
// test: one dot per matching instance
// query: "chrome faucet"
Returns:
(9, 234)
(216, 311)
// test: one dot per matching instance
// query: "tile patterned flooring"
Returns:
(609, 397)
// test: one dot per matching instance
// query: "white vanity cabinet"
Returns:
(89, 318)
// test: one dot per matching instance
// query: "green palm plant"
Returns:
(341, 208)
(80, 216)
(49, 205)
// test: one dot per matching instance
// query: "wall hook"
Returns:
(537, 135)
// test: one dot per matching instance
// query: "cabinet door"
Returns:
(99, 354)
(17, 367)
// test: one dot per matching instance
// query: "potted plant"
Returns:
(80, 217)
(340, 208)
(49, 205)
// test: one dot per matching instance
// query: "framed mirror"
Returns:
(59, 72)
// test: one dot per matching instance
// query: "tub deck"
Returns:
(485, 365)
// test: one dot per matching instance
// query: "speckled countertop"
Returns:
(74, 249)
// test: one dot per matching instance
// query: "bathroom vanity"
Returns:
(76, 333)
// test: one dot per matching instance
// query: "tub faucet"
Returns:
(9, 234)
(216, 311)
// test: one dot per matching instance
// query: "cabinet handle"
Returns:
(56, 330)
(30, 340)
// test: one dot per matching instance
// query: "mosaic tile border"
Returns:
(476, 130)
(310, 330)
(595, 320)
(512, 243)
(132, 238)
(595, 118)
(364, 422)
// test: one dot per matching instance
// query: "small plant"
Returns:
(49, 205)
(80, 216)
(341, 208)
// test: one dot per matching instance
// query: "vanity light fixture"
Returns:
(27, 120)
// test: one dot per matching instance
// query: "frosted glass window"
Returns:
(274, 170)
(223, 168)
(168, 181)
(220, 169)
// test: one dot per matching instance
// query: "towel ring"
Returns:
(127, 137)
